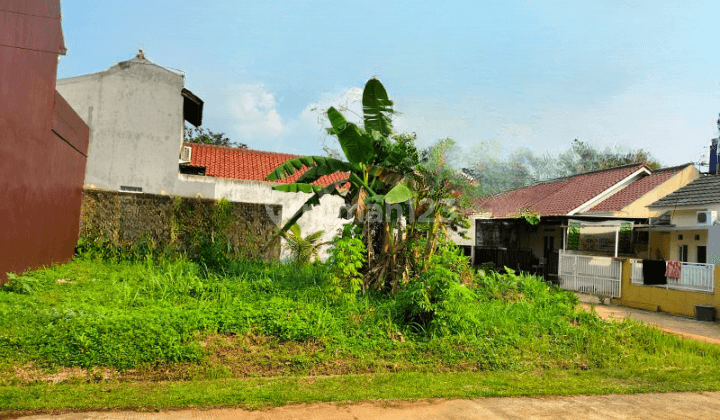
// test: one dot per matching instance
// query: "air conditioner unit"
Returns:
(185, 154)
(706, 218)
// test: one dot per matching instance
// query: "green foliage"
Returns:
(304, 249)
(497, 169)
(347, 256)
(431, 302)
(205, 136)
(197, 233)
(157, 317)
(530, 216)
(365, 150)
(583, 157)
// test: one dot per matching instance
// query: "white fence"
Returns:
(694, 277)
(590, 274)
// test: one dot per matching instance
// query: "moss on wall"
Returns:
(180, 224)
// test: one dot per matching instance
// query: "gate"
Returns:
(590, 274)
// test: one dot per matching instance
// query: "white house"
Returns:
(136, 112)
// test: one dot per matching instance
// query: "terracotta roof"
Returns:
(246, 164)
(702, 191)
(637, 189)
(558, 197)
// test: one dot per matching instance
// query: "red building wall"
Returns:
(43, 142)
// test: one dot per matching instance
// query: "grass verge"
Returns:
(100, 335)
(258, 393)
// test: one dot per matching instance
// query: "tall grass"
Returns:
(146, 314)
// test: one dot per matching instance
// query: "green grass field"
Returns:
(95, 334)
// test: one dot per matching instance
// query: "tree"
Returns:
(366, 149)
(522, 167)
(393, 199)
(583, 157)
(205, 136)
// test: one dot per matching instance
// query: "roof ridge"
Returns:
(563, 178)
(684, 165)
(241, 149)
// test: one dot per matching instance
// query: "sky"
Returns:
(532, 74)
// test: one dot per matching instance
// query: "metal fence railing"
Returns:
(695, 277)
(590, 274)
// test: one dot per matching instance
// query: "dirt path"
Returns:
(705, 405)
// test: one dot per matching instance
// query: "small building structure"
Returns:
(136, 111)
(687, 223)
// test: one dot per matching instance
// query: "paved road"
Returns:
(705, 405)
(678, 325)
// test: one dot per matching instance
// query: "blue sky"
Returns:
(525, 74)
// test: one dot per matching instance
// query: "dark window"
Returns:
(130, 189)
(548, 246)
(641, 236)
(702, 254)
(683, 253)
(192, 170)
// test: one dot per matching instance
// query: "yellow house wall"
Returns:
(665, 300)
(638, 207)
(687, 217)
(668, 243)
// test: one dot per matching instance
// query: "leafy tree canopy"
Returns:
(205, 136)
(522, 167)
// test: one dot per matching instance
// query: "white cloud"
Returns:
(254, 111)
(255, 119)
(674, 125)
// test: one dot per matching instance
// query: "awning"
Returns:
(192, 108)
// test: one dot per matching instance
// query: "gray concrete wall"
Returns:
(135, 113)
(323, 217)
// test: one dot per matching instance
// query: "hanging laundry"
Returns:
(673, 269)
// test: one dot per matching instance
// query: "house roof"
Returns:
(702, 191)
(637, 189)
(558, 197)
(246, 164)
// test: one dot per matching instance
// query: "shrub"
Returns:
(347, 256)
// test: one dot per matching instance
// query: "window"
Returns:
(130, 189)
(683, 253)
(702, 254)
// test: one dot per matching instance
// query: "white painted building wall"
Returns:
(135, 114)
(324, 217)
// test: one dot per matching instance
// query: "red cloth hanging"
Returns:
(673, 269)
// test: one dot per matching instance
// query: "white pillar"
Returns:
(617, 238)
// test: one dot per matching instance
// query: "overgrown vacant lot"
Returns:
(99, 325)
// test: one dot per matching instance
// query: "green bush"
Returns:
(347, 257)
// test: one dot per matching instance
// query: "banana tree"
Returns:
(366, 149)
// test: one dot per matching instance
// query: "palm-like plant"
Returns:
(366, 149)
(381, 169)
(303, 249)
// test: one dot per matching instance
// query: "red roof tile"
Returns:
(246, 164)
(559, 197)
(637, 189)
